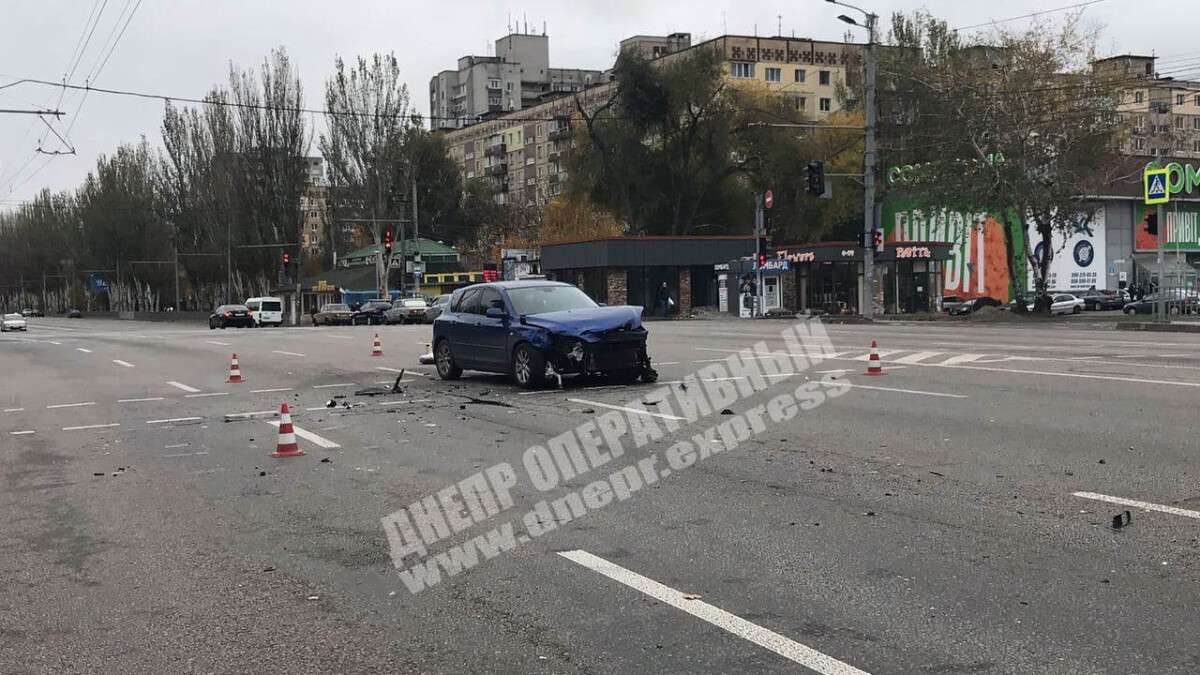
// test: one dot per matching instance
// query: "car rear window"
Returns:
(272, 306)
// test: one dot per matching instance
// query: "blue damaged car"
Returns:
(539, 330)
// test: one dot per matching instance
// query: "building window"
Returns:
(802, 103)
(1195, 146)
(823, 77)
(800, 75)
(1197, 101)
(741, 70)
(1180, 98)
(1196, 123)
(1179, 122)
(1139, 144)
(493, 84)
(774, 75)
(1139, 97)
(826, 104)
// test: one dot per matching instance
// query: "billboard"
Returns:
(1079, 258)
(978, 263)
(1180, 229)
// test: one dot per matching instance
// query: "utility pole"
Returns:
(1159, 308)
(869, 224)
(416, 231)
(760, 231)
(176, 256)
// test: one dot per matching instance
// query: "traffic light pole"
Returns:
(1159, 308)
(869, 224)
(759, 233)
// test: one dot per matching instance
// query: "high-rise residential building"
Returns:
(1164, 111)
(314, 222)
(516, 77)
(519, 153)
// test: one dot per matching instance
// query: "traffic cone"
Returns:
(874, 365)
(235, 371)
(287, 446)
(377, 348)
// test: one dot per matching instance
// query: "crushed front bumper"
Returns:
(616, 353)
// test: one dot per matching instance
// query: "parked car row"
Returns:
(381, 312)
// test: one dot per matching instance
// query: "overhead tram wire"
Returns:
(1031, 15)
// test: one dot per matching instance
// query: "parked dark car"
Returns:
(537, 330)
(371, 313)
(74, 313)
(951, 303)
(1174, 305)
(435, 309)
(973, 305)
(408, 310)
(1102, 300)
(333, 314)
(30, 312)
(225, 316)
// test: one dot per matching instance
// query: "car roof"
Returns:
(506, 285)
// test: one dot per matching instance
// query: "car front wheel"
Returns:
(528, 366)
(446, 367)
(1076, 310)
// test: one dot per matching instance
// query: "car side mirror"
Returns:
(496, 313)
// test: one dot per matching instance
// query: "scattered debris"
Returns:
(268, 569)
(98, 473)
(650, 402)
(331, 403)
(869, 513)
(1122, 519)
(262, 473)
(393, 593)
(939, 475)
(326, 460)
(587, 411)
(1100, 462)
(692, 596)
(726, 411)
(314, 597)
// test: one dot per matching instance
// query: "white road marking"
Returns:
(176, 419)
(1082, 376)
(309, 436)
(23, 433)
(390, 370)
(185, 454)
(340, 337)
(214, 393)
(269, 391)
(139, 400)
(215, 342)
(251, 415)
(180, 385)
(333, 386)
(667, 363)
(176, 445)
(1146, 506)
(92, 426)
(81, 349)
(70, 405)
(731, 623)
(917, 357)
(634, 411)
(14, 409)
(415, 400)
(276, 351)
(893, 389)
(54, 342)
(126, 364)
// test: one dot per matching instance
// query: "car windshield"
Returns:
(542, 299)
(235, 308)
(12, 316)
(272, 306)
(336, 308)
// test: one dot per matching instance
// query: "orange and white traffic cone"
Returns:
(377, 348)
(874, 365)
(287, 446)
(235, 371)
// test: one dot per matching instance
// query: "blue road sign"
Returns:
(1157, 181)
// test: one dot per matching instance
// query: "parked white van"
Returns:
(266, 311)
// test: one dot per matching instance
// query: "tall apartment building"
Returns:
(1165, 112)
(519, 154)
(314, 222)
(517, 77)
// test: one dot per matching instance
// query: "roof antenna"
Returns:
(780, 30)
(526, 24)
(543, 28)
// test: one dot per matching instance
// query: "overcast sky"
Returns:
(183, 47)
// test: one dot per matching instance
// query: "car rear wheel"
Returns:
(528, 366)
(446, 367)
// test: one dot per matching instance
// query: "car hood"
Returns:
(588, 324)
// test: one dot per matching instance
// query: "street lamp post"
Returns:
(867, 305)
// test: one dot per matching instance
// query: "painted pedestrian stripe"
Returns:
(309, 436)
(917, 357)
(124, 364)
(333, 386)
(184, 387)
(1137, 504)
(731, 623)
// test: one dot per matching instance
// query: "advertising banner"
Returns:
(1078, 263)
(1181, 228)
(978, 264)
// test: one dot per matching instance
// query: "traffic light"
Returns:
(1152, 224)
(762, 260)
(877, 240)
(387, 241)
(287, 257)
(815, 174)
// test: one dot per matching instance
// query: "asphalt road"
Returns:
(926, 521)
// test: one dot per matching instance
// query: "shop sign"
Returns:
(721, 267)
(776, 265)
(323, 286)
(848, 253)
(1181, 178)
(802, 257)
(913, 252)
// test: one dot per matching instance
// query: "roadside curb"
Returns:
(1160, 327)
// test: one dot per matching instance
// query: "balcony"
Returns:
(497, 150)
(554, 178)
(497, 169)
(554, 156)
(560, 134)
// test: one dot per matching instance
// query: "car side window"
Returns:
(468, 303)
(489, 298)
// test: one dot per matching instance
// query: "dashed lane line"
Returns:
(731, 623)
(54, 342)
(270, 391)
(632, 411)
(7, 410)
(276, 351)
(1137, 504)
(208, 395)
(389, 370)
(124, 364)
(23, 433)
(92, 426)
(175, 419)
(895, 390)
(216, 342)
(81, 349)
(309, 436)
(70, 405)
(184, 387)
(333, 386)
(185, 454)
(140, 400)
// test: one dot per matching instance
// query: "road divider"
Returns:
(209, 394)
